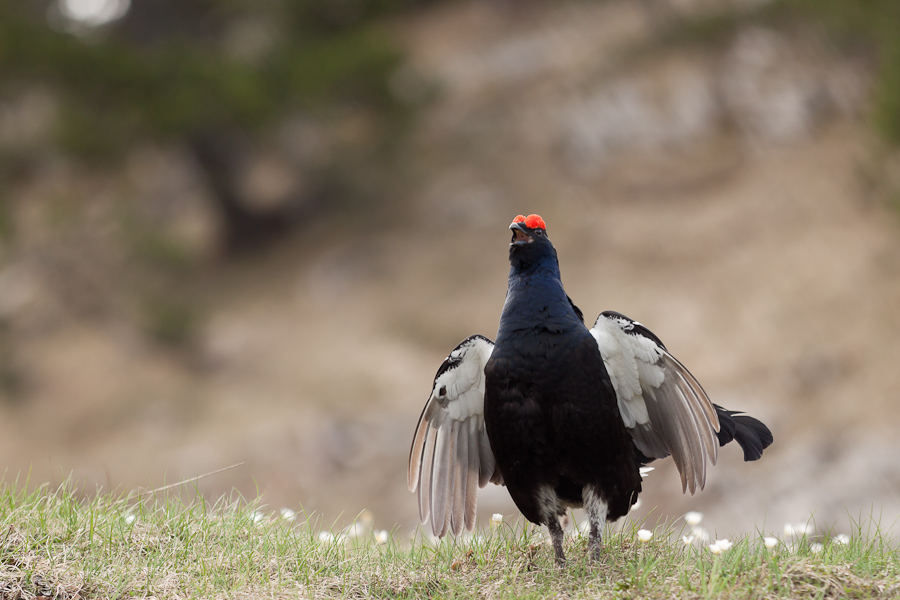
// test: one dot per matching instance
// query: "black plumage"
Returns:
(563, 415)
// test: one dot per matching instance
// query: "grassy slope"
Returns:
(54, 544)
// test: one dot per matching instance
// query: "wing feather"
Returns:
(664, 407)
(461, 477)
(473, 473)
(441, 482)
(450, 456)
(427, 460)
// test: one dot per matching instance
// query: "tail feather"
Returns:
(751, 434)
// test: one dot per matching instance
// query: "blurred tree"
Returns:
(210, 73)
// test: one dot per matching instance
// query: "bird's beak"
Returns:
(520, 234)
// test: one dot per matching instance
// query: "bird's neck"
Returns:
(536, 299)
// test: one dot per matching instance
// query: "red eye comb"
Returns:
(531, 221)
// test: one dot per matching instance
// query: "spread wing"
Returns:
(664, 407)
(451, 456)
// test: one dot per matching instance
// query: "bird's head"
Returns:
(530, 244)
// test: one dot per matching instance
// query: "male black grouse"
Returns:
(562, 415)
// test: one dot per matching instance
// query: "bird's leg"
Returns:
(595, 541)
(556, 536)
(596, 509)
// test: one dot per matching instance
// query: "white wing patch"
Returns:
(663, 406)
(624, 372)
(451, 456)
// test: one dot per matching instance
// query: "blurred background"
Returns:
(241, 231)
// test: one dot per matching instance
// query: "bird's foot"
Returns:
(596, 548)
(556, 536)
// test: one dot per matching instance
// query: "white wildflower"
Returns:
(287, 514)
(356, 530)
(797, 529)
(381, 536)
(816, 547)
(582, 528)
(258, 516)
(720, 546)
(130, 519)
(700, 534)
(693, 518)
(496, 519)
(770, 542)
(646, 471)
(687, 539)
(326, 537)
(842, 538)
(644, 535)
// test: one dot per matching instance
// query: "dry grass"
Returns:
(55, 544)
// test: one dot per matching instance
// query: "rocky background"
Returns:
(232, 233)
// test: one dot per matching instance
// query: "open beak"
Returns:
(520, 235)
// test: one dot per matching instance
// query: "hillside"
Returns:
(727, 197)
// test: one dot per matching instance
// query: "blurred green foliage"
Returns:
(168, 70)
(871, 23)
(218, 78)
(170, 320)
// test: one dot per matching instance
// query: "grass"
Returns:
(55, 544)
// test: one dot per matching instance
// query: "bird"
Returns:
(561, 414)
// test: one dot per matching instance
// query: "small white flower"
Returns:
(720, 546)
(496, 519)
(582, 527)
(687, 539)
(287, 514)
(644, 535)
(816, 547)
(714, 548)
(326, 537)
(842, 538)
(693, 518)
(700, 534)
(258, 516)
(130, 519)
(381, 536)
(770, 542)
(646, 471)
(797, 529)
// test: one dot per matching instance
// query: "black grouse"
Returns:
(562, 415)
